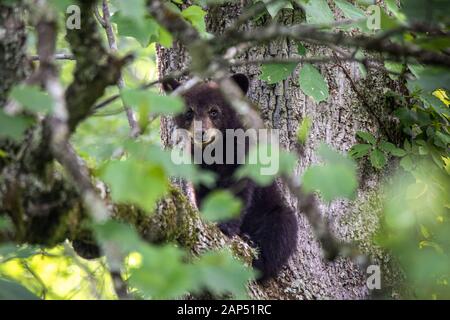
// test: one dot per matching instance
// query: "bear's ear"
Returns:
(242, 81)
(170, 85)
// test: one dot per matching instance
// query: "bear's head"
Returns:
(207, 111)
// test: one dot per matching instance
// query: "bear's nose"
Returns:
(201, 135)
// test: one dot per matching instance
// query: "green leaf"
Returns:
(392, 149)
(60, 5)
(13, 291)
(149, 103)
(221, 205)
(13, 251)
(221, 273)
(313, 84)
(395, 68)
(122, 235)
(186, 170)
(445, 138)
(377, 159)
(353, 13)
(136, 182)
(13, 126)
(133, 9)
(301, 50)
(335, 179)
(317, 11)
(153, 102)
(366, 136)
(426, 12)
(436, 104)
(165, 38)
(32, 98)
(362, 68)
(276, 72)
(144, 30)
(163, 273)
(5, 224)
(303, 130)
(273, 7)
(430, 79)
(359, 150)
(195, 15)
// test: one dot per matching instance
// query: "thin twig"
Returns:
(58, 56)
(135, 129)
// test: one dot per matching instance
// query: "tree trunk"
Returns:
(354, 104)
(12, 48)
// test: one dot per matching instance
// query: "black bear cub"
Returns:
(265, 218)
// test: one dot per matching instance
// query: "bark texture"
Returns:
(355, 103)
(12, 48)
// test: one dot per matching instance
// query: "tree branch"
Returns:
(135, 130)
(95, 69)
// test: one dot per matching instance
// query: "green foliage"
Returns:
(148, 103)
(134, 9)
(424, 11)
(301, 50)
(220, 272)
(303, 129)
(196, 15)
(377, 159)
(376, 151)
(135, 182)
(276, 72)
(335, 179)
(132, 21)
(155, 155)
(274, 7)
(312, 83)
(221, 205)
(13, 291)
(52, 274)
(164, 272)
(354, 13)
(32, 98)
(144, 30)
(415, 229)
(317, 11)
(13, 126)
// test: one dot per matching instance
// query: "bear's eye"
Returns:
(213, 113)
(189, 114)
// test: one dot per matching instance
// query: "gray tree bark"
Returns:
(12, 48)
(355, 103)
